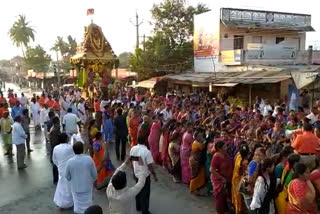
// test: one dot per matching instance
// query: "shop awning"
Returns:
(303, 79)
(230, 79)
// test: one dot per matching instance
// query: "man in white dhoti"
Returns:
(64, 106)
(35, 112)
(44, 117)
(82, 173)
(23, 101)
(61, 154)
(82, 111)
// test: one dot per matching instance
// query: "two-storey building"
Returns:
(250, 53)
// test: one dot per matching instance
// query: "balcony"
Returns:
(267, 55)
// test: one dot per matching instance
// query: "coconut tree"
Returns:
(60, 46)
(21, 33)
(72, 43)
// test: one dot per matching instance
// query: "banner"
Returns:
(293, 98)
(206, 41)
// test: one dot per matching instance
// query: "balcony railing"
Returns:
(265, 17)
(278, 56)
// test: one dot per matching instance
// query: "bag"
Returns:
(244, 186)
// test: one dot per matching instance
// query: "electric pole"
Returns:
(137, 24)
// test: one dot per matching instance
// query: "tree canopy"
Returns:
(60, 46)
(170, 48)
(72, 46)
(21, 33)
(124, 59)
(37, 59)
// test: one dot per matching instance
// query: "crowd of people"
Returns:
(257, 159)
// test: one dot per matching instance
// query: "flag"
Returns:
(90, 11)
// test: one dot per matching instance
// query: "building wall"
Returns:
(268, 37)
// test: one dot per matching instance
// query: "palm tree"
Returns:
(21, 33)
(60, 46)
(72, 46)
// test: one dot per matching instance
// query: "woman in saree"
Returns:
(315, 179)
(221, 176)
(154, 138)
(174, 155)
(133, 128)
(92, 131)
(167, 133)
(249, 130)
(301, 192)
(144, 129)
(100, 158)
(196, 160)
(276, 137)
(240, 167)
(185, 152)
(281, 199)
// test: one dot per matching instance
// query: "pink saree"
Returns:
(153, 140)
(185, 152)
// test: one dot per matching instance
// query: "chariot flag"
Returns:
(90, 12)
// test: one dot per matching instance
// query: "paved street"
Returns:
(31, 190)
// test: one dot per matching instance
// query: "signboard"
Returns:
(263, 51)
(231, 57)
(206, 41)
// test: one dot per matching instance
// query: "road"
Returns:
(31, 191)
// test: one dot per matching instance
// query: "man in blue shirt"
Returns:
(19, 138)
(16, 110)
(81, 173)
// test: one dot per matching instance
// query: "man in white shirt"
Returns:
(312, 116)
(167, 113)
(122, 198)
(142, 104)
(78, 93)
(23, 101)
(70, 123)
(19, 138)
(61, 154)
(64, 105)
(143, 164)
(82, 111)
(267, 107)
(44, 117)
(35, 112)
(103, 103)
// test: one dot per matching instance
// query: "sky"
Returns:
(68, 17)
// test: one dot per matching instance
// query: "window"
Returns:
(279, 39)
(237, 42)
(257, 39)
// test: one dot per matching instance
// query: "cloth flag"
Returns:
(90, 11)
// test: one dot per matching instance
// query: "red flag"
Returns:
(90, 11)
